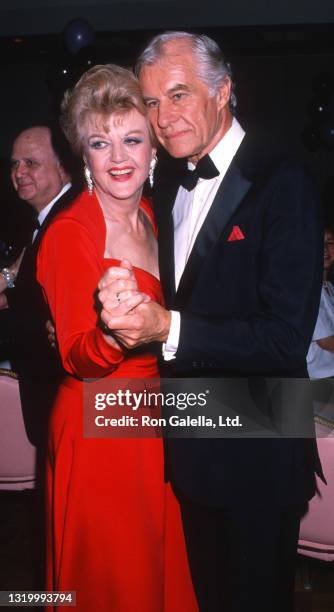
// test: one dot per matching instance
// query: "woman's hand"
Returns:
(12, 270)
(119, 293)
(327, 344)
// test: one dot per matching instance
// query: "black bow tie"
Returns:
(205, 169)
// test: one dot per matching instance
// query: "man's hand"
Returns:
(3, 301)
(13, 270)
(51, 333)
(3, 285)
(147, 322)
(16, 265)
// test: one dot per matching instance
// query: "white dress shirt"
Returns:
(320, 363)
(189, 213)
(45, 211)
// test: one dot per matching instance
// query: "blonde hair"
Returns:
(102, 90)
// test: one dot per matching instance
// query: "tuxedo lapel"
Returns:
(64, 201)
(28, 265)
(164, 215)
(229, 196)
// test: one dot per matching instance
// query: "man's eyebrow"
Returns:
(147, 98)
(16, 160)
(30, 159)
(177, 87)
(171, 91)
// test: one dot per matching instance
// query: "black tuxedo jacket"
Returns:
(22, 329)
(248, 309)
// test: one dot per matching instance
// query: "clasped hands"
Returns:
(131, 315)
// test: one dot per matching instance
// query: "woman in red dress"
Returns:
(114, 530)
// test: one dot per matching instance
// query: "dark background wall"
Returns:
(51, 16)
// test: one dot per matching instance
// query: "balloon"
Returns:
(311, 138)
(78, 34)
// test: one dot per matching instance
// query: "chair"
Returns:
(17, 454)
(316, 536)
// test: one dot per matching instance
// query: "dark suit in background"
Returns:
(22, 325)
(41, 171)
(24, 338)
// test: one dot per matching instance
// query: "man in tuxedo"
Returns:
(240, 265)
(40, 166)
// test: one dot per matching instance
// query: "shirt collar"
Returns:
(45, 211)
(223, 153)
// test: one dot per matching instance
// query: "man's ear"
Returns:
(224, 93)
(61, 170)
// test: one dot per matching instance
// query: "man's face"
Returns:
(36, 172)
(187, 120)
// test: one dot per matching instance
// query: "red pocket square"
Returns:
(236, 234)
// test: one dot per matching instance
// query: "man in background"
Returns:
(40, 163)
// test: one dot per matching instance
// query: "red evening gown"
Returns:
(114, 529)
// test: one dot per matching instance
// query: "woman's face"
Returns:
(328, 250)
(118, 152)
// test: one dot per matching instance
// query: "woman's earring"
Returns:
(151, 170)
(89, 179)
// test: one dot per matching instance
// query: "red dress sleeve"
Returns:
(69, 268)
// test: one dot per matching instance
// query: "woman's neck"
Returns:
(120, 211)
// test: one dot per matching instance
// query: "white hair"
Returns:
(212, 68)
